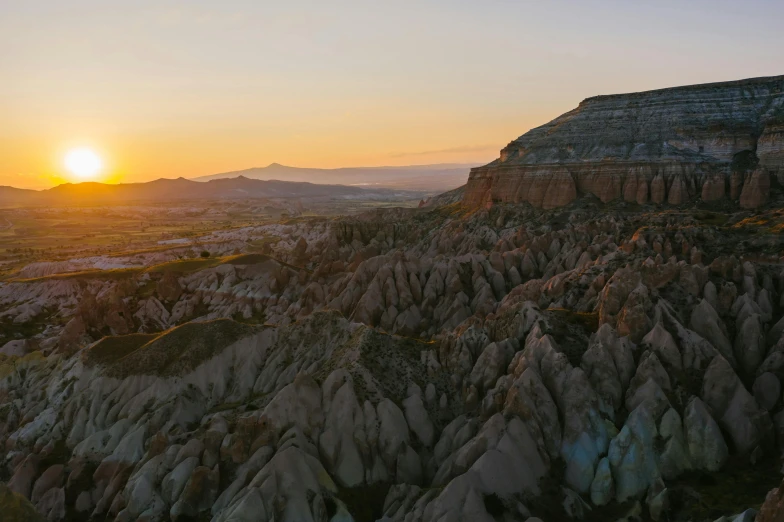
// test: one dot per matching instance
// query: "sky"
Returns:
(167, 89)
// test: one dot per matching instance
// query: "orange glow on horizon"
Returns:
(312, 84)
(83, 164)
(140, 159)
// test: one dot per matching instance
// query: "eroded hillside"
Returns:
(711, 142)
(597, 362)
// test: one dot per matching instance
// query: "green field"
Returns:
(181, 266)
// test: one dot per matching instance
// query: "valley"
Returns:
(528, 347)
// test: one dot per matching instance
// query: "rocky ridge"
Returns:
(410, 365)
(669, 146)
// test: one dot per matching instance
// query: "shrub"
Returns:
(205, 254)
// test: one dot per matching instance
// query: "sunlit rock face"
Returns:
(660, 146)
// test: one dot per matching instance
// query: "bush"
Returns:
(205, 254)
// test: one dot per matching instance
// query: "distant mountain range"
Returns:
(239, 187)
(439, 178)
(272, 181)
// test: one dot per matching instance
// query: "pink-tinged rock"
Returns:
(560, 191)
(51, 478)
(756, 189)
(548, 187)
(642, 191)
(199, 494)
(772, 510)
(22, 480)
(677, 194)
(736, 184)
(52, 504)
(657, 189)
(630, 188)
(713, 189)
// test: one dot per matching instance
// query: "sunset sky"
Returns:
(168, 89)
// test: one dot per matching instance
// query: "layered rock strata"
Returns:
(708, 141)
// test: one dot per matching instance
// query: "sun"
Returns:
(83, 163)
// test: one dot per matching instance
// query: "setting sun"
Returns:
(83, 163)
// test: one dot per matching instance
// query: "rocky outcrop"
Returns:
(430, 366)
(669, 145)
(714, 187)
(773, 507)
(770, 147)
(16, 507)
(756, 188)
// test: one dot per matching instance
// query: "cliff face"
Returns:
(711, 141)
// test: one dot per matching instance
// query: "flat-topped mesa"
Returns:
(709, 141)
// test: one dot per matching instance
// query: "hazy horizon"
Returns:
(294, 174)
(168, 89)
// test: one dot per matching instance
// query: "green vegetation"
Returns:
(180, 266)
(711, 218)
(226, 406)
(185, 266)
(8, 364)
(111, 349)
(106, 275)
(453, 210)
(10, 330)
(14, 506)
(738, 486)
(176, 351)
(247, 259)
(365, 503)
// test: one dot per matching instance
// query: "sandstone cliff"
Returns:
(663, 146)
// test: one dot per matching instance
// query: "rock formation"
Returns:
(500, 363)
(407, 365)
(668, 145)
